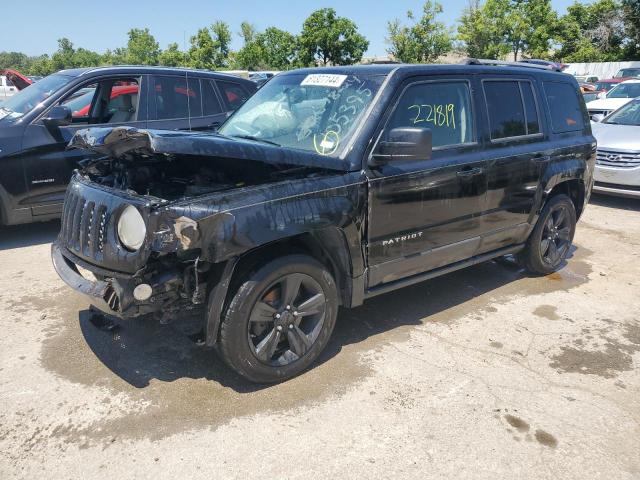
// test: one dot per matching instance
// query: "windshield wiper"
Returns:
(256, 139)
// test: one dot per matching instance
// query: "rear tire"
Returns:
(279, 320)
(548, 245)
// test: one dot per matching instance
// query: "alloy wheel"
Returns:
(556, 236)
(287, 319)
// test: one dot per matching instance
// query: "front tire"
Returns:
(550, 242)
(279, 320)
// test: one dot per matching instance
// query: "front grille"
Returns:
(84, 226)
(617, 158)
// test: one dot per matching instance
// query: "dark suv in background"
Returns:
(327, 187)
(37, 123)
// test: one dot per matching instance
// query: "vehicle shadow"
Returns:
(142, 350)
(620, 203)
(17, 236)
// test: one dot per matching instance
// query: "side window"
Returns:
(233, 92)
(210, 103)
(512, 108)
(530, 108)
(112, 100)
(174, 97)
(506, 111)
(445, 108)
(79, 102)
(8, 82)
(566, 112)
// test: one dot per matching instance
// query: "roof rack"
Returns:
(502, 63)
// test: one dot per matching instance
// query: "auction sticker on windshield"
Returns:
(323, 80)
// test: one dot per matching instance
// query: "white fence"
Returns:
(599, 69)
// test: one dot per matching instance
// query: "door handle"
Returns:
(541, 159)
(471, 172)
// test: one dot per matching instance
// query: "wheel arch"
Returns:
(573, 188)
(328, 246)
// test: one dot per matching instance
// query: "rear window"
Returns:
(235, 94)
(512, 108)
(564, 106)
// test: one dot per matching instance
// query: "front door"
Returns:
(110, 101)
(424, 214)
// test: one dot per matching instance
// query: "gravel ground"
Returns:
(484, 373)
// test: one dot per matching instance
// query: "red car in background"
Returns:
(19, 81)
(603, 86)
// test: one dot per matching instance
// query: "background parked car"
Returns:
(603, 86)
(617, 170)
(628, 73)
(11, 82)
(37, 123)
(616, 97)
(586, 78)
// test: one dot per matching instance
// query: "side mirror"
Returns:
(598, 117)
(58, 116)
(404, 143)
(602, 95)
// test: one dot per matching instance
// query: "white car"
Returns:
(617, 169)
(619, 95)
(7, 88)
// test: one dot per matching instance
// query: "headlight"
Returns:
(131, 228)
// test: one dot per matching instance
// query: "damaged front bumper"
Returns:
(115, 293)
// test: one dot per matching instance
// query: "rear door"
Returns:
(102, 101)
(518, 152)
(184, 102)
(424, 214)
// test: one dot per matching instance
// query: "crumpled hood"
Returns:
(119, 141)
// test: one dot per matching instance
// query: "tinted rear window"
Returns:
(564, 106)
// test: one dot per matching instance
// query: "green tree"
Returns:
(14, 60)
(273, 49)
(142, 47)
(529, 26)
(202, 51)
(591, 32)
(328, 39)
(211, 51)
(481, 35)
(63, 57)
(631, 16)
(172, 56)
(424, 40)
(247, 32)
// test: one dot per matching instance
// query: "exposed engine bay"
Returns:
(173, 177)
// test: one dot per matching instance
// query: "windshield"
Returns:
(628, 72)
(627, 115)
(315, 112)
(26, 100)
(625, 90)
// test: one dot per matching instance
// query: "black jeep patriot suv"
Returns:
(327, 187)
